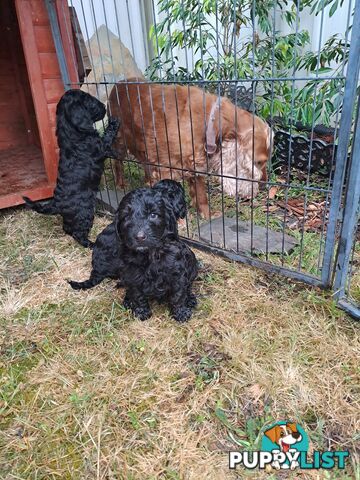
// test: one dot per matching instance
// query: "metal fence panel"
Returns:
(291, 225)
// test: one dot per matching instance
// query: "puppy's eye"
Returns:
(154, 215)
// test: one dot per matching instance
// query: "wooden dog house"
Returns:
(30, 87)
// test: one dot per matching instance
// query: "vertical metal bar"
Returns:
(162, 94)
(290, 129)
(177, 114)
(55, 30)
(311, 140)
(220, 125)
(191, 126)
(236, 128)
(122, 61)
(352, 77)
(337, 117)
(253, 132)
(350, 218)
(205, 126)
(271, 124)
(104, 78)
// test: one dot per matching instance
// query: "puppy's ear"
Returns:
(177, 202)
(117, 224)
(170, 221)
(273, 433)
(180, 207)
(78, 116)
(212, 129)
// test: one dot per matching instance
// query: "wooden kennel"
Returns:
(30, 87)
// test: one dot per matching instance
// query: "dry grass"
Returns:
(87, 392)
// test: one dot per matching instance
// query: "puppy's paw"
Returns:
(142, 313)
(114, 123)
(127, 303)
(85, 242)
(191, 301)
(182, 314)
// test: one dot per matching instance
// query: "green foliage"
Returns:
(237, 40)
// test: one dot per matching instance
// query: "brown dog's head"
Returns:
(245, 143)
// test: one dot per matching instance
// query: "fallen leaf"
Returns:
(272, 192)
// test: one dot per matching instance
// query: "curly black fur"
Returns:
(142, 249)
(81, 163)
(106, 257)
(173, 192)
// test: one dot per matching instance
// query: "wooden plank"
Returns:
(13, 128)
(38, 193)
(38, 12)
(52, 113)
(25, 16)
(44, 40)
(49, 65)
(6, 90)
(8, 114)
(19, 83)
(63, 15)
(54, 89)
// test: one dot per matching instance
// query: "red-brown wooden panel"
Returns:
(54, 89)
(38, 12)
(6, 90)
(27, 12)
(63, 15)
(38, 193)
(49, 65)
(13, 134)
(52, 113)
(44, 40)
(8, 115)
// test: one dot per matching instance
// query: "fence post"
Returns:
(350, 219)
(352, 77)
(50, 6)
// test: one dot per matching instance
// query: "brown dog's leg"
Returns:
(120, 151)
(264, 178)
(198, 195)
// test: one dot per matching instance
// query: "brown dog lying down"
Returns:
(182, 132)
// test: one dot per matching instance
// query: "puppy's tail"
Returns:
(90, 283)
(47, 208)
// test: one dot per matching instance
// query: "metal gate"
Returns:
(302, 225)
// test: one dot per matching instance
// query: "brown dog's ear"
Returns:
(273, 434)
(211, 129)
(292, 426)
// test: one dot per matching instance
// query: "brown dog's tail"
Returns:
(47, 208)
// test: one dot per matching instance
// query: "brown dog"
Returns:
(183, 132)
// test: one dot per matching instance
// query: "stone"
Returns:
(111, 62)
(213, 233)
(109, 199)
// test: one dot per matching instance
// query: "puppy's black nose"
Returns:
(296, 434)
(140, 236)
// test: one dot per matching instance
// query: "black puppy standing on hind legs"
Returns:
(81, 164)
(142, 248)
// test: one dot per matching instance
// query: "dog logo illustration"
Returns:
(285, 437)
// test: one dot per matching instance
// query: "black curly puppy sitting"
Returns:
(106, 255)
(151, 261)
(81, 163)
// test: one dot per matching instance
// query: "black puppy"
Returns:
(81, 163)
(152, 262)
(106, 256)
